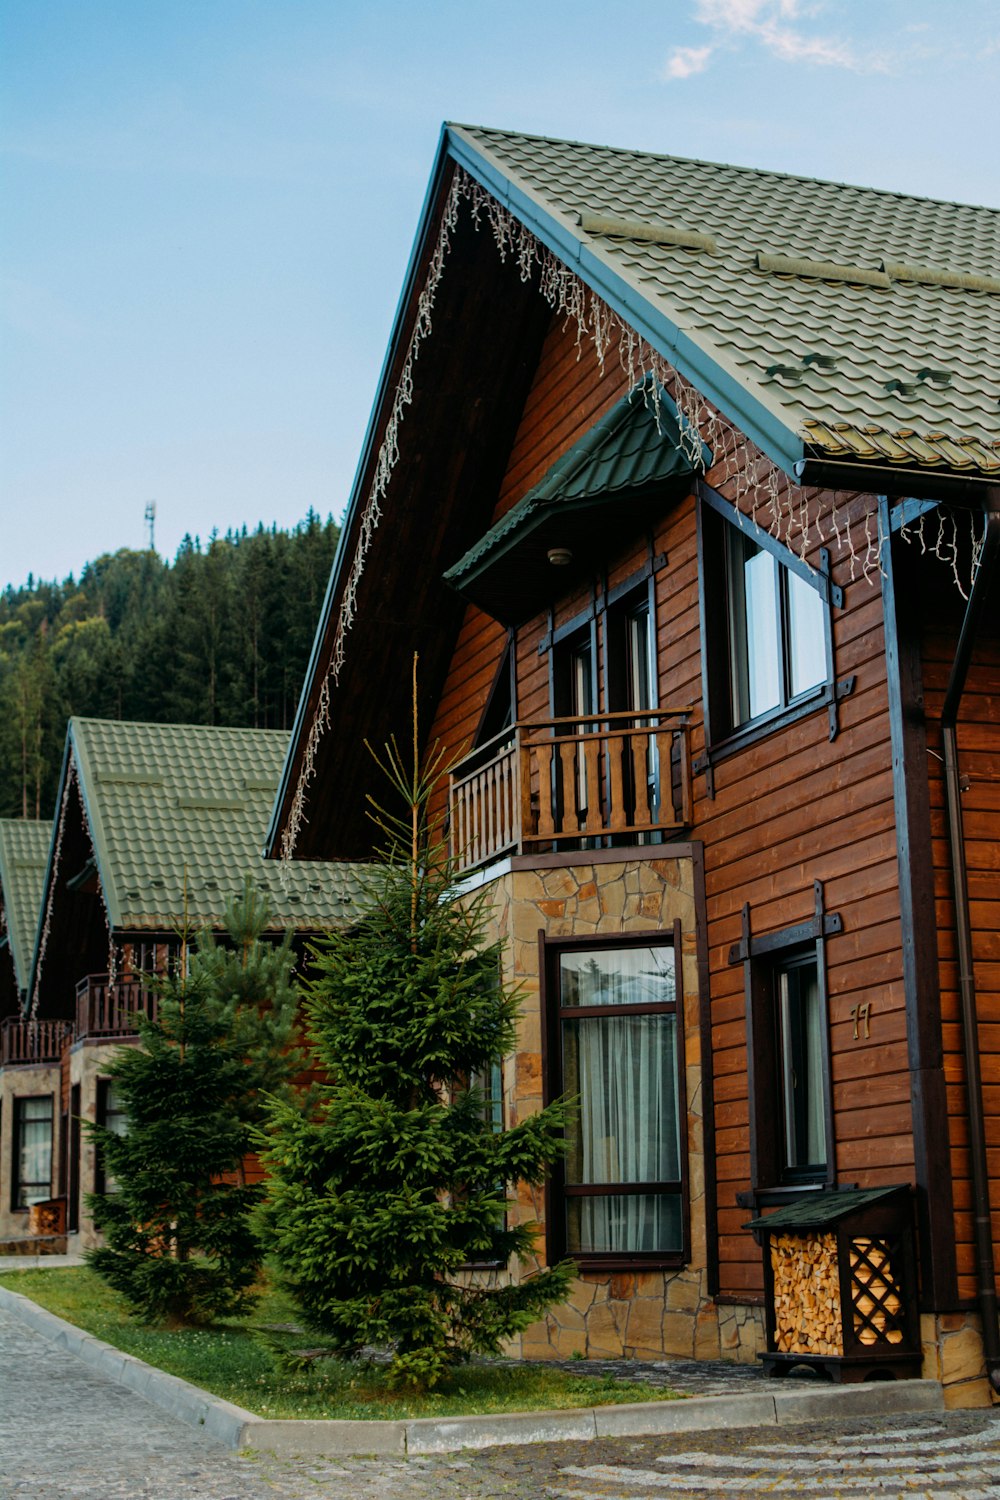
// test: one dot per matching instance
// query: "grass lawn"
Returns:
(229, 1361)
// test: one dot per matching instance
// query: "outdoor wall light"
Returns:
(560, 557)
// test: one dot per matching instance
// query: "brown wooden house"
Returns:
(684, 481)
(156, 827)
(29, 1052)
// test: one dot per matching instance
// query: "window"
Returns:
(614, 1043)
(630, 687)
(31, 1178)
(801, 1048)
(766, 620)
(777, 631)
(791, 1119)
(575, 696)
(111, 1114)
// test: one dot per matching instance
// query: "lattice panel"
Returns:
(876, 1291)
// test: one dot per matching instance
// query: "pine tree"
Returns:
(382, 1196)
(253, 977)
(179, 1242)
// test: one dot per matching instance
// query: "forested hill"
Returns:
(220, 636)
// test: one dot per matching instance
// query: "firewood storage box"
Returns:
(840, 1289)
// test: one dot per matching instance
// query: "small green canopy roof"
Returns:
(631, 457)
(819, 1210)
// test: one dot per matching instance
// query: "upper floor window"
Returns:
(777, 631)
(768, 652)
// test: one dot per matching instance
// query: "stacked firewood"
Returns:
(876, 1303)
(807, 1317)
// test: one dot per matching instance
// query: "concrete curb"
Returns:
(237, 1428)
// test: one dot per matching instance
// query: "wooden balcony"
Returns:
(32, 1041)
(104, 1009)
(565, 784)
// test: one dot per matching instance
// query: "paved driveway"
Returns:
(67, 1434)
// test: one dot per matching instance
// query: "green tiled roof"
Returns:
(819, 1209)
(24, 855)
(863, 324)
(627, 451)
(179, 811)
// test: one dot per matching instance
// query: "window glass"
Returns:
(767, 627)
(615, 1225)
(800, 1026)
(112, 1115)
(623, 1069)
(753, 627)
(618, 1043)
(806, 636)
(624, 976)
(32, 1151)
(638, 658)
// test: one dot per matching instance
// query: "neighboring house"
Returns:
(705, 654)
(29, 1054)
(155, 827)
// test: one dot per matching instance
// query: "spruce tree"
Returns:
(381, 1197)
(253, 977)
(179, 1244)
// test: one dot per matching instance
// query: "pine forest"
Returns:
(219, 636)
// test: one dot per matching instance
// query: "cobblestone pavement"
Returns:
(67, 1434)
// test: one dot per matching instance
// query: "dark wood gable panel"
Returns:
(470, 380)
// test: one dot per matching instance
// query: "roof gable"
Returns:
(823, 318)
(24, 853)
(176, 814)
(847, 337)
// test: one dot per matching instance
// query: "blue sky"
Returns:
(209, 206)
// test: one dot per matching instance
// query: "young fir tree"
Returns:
(254, 978)
(380, 1198)
(179, 1239)
(178, 1244)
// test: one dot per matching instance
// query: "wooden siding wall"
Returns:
(979, 760)
(789, 810)
(794, 808)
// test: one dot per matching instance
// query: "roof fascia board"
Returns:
(707, 369)
(342, 558)
(92, 813)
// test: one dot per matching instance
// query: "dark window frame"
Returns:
(723, 737)
(17, 1184)
(764, 958)
(103, 1114)
(556, 1192)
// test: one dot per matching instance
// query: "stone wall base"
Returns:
(953, 1354)
(644, 1315)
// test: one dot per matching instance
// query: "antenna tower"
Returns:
(151, 523)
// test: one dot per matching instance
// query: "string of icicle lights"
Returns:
(761, 494)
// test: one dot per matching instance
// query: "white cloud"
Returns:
(687, 60)
(782, 27)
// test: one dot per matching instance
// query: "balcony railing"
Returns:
(32, 1041)
(560, 784)
(104, 1009)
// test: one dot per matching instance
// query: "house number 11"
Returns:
(861, 1014)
